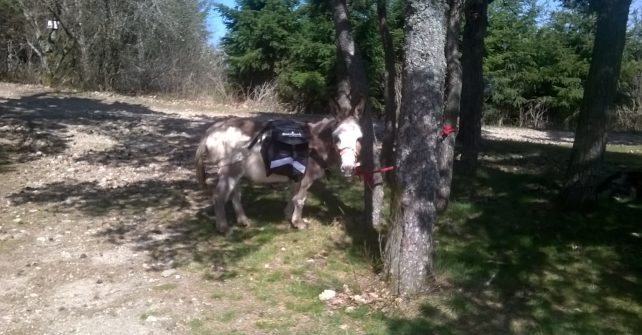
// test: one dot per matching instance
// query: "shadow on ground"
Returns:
(42, 124)
(518, 264)
(158, 216)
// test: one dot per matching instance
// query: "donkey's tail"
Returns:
(200, 163)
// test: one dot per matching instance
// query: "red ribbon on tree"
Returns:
(447, 130)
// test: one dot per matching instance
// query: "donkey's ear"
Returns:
(359, 108)
(335, 109)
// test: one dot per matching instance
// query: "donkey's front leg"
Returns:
(298, 200)
(241, 218)
(289, 209)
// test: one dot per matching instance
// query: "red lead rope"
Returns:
(368, 176)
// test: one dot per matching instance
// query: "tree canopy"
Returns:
(536, 60)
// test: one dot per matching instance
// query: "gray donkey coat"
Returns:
(333, 142)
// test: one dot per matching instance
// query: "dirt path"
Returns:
(95, 195)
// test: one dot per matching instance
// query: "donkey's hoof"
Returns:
(245, 222)
(300, 224)
(224, 229)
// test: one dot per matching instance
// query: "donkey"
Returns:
(231, 146)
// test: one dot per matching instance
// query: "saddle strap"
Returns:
(256, 137)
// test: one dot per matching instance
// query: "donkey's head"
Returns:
(347, 135)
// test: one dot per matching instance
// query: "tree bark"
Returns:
(472, 96)
(452, 101)
(408, 252)
(390, 96)
(599, 93)
(352, 90)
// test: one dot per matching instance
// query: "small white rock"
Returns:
(327, 295)
(168, 273)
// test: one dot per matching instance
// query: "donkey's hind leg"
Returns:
(241, 218)
(224, 187)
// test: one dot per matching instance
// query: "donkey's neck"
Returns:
(322, 148)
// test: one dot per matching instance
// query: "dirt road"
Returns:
(94, 196)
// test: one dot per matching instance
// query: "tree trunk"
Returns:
(36, 41)
(408, 252)
(472, 96)
(451, 109)
(390, 96)
(357, 84)
(599, 92)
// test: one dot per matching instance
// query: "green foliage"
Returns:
(536, 65)
(632, 61)
(292, 43)
(283, 41)
(511, 62)
(566, 45)
(258, 38)
(306, 75)
(535, 72)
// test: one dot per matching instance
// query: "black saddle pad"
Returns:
(285, 150)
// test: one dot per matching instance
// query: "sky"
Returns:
(215, 22)
(217, 29)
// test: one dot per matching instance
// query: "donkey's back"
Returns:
(225, 143)
(233, 146)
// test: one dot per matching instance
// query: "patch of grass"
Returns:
(197, 327)
(217, 296)
(147, 314)
(625, 149)
(359, 313)
(516, 263)
(228, 316)
(278, 325)
(166, 287)
(6, 245)
(508, 260)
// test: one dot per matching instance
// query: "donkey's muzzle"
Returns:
(347, 170)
